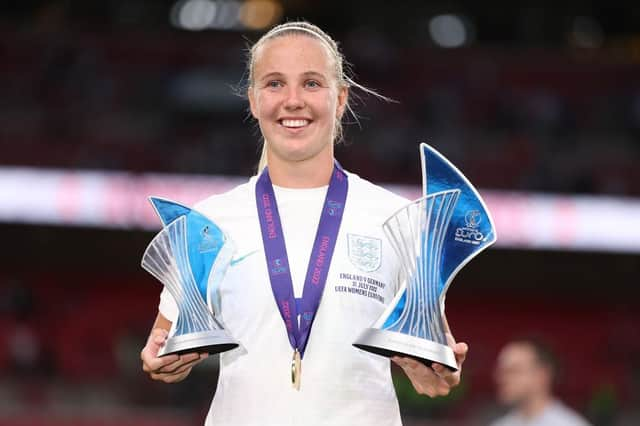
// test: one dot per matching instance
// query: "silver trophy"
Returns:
(434, 237)
(190, 256)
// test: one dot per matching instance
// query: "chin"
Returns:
(297, 150)
(508, 400)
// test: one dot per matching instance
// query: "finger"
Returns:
(182, 360)
(156, 340)
(424, 379)
(183, 368)
(442, 370)
(460, 350)
(160, 337)
(417, 368)
(439, 369)
(425, 388)
(418, 385)
(402, 362)
(151, 362)
(407, 364)
(170, 376)
(411, 363)
(191, 360)
(443, 390)
(452, 378)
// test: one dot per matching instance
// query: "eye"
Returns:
(274, 84)
(312, 84)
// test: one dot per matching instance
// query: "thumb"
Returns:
(157, 339)
(461, 348)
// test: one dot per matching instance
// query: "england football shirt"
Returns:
(340, 384)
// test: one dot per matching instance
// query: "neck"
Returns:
(534, 406)
(310, 173)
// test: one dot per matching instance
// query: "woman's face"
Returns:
(295, 97)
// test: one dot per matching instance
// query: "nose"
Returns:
(294, 99)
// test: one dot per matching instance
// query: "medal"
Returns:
(296, 370)
(298, 313)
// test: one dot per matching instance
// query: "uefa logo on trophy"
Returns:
(433, 237)
(190, 256)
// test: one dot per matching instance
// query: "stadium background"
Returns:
(104, 102)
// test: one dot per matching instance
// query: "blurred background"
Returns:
(105, 102)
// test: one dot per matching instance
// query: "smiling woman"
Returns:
(301, 304)
(331, 73)
(298, 102)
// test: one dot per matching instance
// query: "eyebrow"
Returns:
(305, 74)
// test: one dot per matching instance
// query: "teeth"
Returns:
(295, 123)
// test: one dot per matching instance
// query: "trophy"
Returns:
(434, 237)
(190, 256)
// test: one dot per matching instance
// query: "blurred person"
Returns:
(298, 92)
(524, 377)
(25, 350)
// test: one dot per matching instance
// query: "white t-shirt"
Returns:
(555, 414)
(340, 384)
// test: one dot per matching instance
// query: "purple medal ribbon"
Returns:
(278, 263)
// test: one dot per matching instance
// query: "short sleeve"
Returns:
(168, 307)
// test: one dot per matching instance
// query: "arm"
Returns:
(170, 368)
(437, 380)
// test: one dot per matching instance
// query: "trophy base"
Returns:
(391, 343)
(211, 341)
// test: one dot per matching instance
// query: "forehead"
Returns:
(293, 52)
(517, 354)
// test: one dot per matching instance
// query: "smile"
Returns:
(294, 123)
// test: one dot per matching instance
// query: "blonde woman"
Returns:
(299, 292)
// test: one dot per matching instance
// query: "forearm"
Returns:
(161, 322)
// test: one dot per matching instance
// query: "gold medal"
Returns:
(296, 370)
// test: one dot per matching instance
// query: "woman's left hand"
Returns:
(437, 380)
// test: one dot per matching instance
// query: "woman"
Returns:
(298, 226)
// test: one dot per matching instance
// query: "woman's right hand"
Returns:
(169, 368)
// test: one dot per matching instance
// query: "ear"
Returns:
(547, 376)
(252, 102)
(343, 98)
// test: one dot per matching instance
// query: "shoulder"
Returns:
(229, 202)
(562, 414)
(509, 419)
(373, 196)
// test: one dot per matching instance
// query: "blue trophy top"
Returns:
(204, 238)
(471, 228)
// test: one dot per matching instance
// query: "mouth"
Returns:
(294, 123)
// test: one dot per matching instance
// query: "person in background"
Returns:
(524, 377)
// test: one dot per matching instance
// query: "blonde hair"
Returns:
(341, 68)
